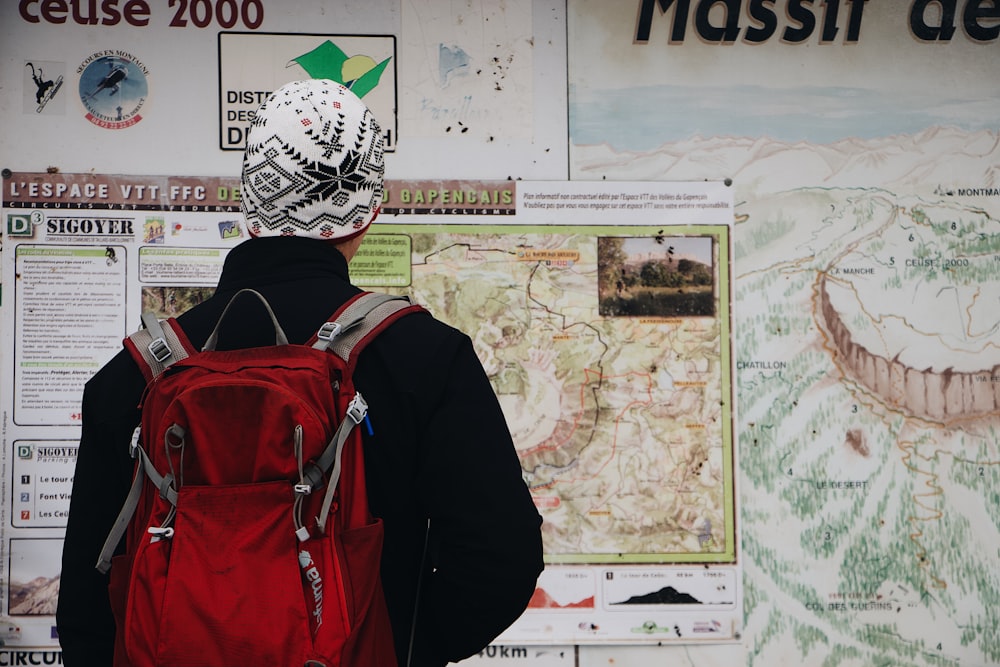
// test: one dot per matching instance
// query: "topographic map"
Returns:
(868, 364)
(622, 423)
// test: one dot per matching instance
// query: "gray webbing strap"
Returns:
(337, 445)
(331, 458)
(341, 336)
(279, 335)
(356, 321)
(159, 346)
(143, 470)
(121, 523)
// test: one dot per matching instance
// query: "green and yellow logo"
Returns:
(360, 73)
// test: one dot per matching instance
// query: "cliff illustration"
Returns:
(946, 395)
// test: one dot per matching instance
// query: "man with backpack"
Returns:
(462, 542)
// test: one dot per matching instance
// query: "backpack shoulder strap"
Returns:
(358, 321)
(158, 345)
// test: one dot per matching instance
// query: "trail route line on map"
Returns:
(622, 424)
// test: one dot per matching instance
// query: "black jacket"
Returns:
(441, 450)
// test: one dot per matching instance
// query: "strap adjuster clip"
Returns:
(329, 331)
(133, 446)
(357, 408)
(159, 349)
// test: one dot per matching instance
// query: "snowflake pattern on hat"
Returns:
(314, 163)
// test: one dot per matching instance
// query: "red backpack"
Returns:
(249, 539)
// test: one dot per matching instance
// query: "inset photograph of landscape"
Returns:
(34, 577)
(172, 301)
(658, 276)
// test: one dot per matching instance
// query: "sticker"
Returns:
(43, 87)
(113, 89)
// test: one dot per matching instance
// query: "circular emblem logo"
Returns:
(113, 89)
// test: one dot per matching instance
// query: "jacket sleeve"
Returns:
(485, 544)
(103, 474)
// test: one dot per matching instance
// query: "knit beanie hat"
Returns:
(313, 164)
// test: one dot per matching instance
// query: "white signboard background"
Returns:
(467, 102)
(920, 118)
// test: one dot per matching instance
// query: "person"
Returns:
(439, 452)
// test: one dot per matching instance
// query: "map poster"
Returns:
(607, 345)
(601, 311)
(862, 142)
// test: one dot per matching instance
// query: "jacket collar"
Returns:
(271, 259)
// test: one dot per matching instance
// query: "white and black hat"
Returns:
(314, 163)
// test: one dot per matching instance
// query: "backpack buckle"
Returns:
(133, 446)
(159, 349)
(329, 331)
(357, 408)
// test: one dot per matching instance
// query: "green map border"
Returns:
(722, 234)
